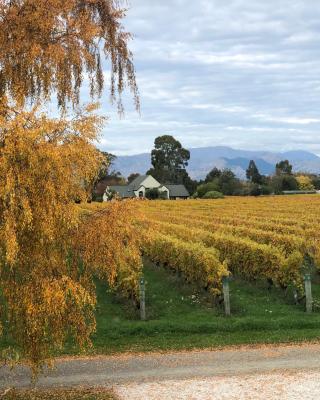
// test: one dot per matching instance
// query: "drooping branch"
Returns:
(51, 46)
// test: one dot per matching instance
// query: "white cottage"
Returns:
(139, 186)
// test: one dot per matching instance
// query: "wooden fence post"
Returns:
(307, 284)
(295, 296)
(226, 295)
(142, 300)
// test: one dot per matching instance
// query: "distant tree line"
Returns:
(225, 181)
(170, 160)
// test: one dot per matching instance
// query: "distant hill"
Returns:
(205, 158)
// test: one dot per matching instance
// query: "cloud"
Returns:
(243, 73)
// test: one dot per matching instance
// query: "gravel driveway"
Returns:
(265, 372)
(271, 386)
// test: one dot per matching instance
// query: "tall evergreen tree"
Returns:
(169, 160)
(252, 173)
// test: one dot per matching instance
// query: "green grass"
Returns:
(182, 317)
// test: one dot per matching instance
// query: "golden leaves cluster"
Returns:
(45, 165)
(49, 46)
(108, 241)
(50, 252)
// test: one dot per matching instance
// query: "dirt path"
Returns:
(151, 372)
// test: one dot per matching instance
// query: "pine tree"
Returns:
(253, 174)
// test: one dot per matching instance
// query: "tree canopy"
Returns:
(305, 182)
(283, 168)
(169, 159)
(284, 182)
(214, 173)
(49, 251)
(252, 173)
(132, 177)
(37, 214)
(49, 46)
(224, 181)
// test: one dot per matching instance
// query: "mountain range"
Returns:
(203, 159)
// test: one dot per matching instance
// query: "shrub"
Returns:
(284, 182)
(111, 194)
(304, 182)
(97, 197)
(255, 190)
(207, 187)
(152, 194)
(213, 195)
(265, 190)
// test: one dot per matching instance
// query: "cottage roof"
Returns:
(126, 191)
(123, 190)
(136, 183)
(177, 191)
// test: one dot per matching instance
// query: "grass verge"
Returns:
(182, 317)
(58, 394)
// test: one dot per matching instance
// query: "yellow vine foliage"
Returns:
(44, 165)
(194, 261)
(244, 256)
(268, 237)
(48, 46)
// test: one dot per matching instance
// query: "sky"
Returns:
(239, 73)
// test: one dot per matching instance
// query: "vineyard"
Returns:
(265, 246)
(274, 239)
